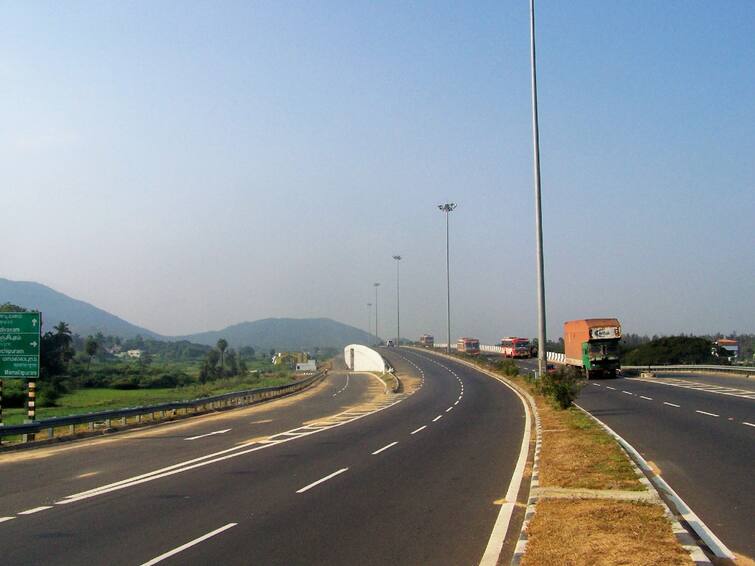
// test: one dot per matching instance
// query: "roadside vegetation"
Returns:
(97, 373)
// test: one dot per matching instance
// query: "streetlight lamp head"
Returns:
(397, 257)
(376, 284)
(447, 207)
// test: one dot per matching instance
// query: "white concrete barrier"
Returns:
(362, 358)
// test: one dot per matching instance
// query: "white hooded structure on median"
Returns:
(362, 358)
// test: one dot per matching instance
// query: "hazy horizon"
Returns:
(190, 166)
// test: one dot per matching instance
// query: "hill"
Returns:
(286, 334)
(83, 318)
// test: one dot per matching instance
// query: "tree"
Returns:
(233, 362)
(222, 345)
(90, 347)
(10, 307)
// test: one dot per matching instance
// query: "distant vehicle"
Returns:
(468, 346)
(592, 345)
(516, 347)
(389, 343)
(427, 340)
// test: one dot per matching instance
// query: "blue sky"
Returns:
(191, 165)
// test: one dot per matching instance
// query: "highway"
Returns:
(344, 474)
(699, 432)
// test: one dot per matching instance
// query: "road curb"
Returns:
(653, 481)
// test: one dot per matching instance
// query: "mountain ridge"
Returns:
(85, 318)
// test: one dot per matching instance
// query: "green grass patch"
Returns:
(91, 400)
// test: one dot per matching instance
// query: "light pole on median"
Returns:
(398, 307)
(376, 285)
(369, 318)
(448, 208)
(541, 354)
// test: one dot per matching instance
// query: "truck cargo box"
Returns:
(576, 332)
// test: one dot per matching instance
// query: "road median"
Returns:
(588, 503)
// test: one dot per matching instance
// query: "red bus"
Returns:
(468, 346)
(516, 347)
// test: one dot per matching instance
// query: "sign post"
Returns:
(20, 338)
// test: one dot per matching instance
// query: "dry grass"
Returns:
(601, 533)
(577, 453)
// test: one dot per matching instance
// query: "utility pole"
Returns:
(448, 208)
(398, 307)
(541, 341)
(376, 285)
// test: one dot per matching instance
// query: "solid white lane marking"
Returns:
(208, 434)
(671, 404)
(3, 519)
(35, 510)
(748, 424)
(627, 392)
(648, 398)
(709, 414)
(423, 427)
(318, 482)
(386, 447)
(609, 387)
(189, 544)
(438, 418)
(449, 409)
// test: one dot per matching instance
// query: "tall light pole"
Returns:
(398, 308)
(541, 360)
(376, 285)
(447, 208)
(369, 318)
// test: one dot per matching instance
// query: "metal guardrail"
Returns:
(699, 368)
(233, 399)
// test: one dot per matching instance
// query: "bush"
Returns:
(507, 367)
(562, 386)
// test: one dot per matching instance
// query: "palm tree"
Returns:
(222, 345)
(63, 335)
(90, 346)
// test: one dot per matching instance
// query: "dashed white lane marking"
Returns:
(596, 384)
(457, 402)
(344, 387)
(709, 414)
(3, 519)
(318, 482)
(35, 510)
(189, 544)
(450, 408)
(671, 404)
(628, 392)
(609, 387)
(748, 424)
(423, 427)
(648, 398)
(386, 447)
(208, 434)
(438, 418)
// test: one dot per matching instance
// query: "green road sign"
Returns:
(19, 345)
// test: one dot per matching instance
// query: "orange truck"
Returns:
(592, 344)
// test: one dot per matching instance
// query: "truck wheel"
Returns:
(612, 374)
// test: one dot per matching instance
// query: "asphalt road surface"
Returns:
(699, 431)
(343, 475)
